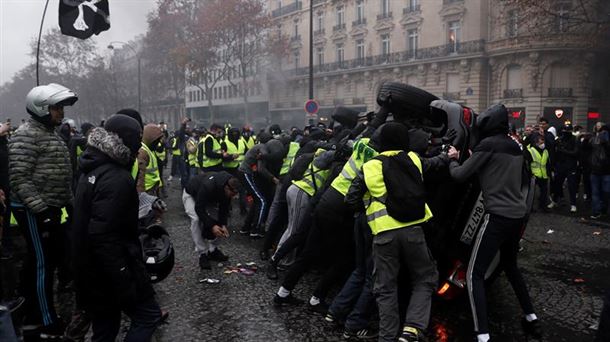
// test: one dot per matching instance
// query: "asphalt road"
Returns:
(567, 271)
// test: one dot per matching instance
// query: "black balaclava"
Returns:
(128, 129)
(134, 114)
(85, 128)
(234, 135)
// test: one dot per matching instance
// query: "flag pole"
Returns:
(38, 47)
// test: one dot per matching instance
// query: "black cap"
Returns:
(132, 113)
(128, 129)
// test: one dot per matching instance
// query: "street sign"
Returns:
(311, 106)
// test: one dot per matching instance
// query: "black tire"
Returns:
(405, 100)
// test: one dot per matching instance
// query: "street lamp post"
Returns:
(138, 57)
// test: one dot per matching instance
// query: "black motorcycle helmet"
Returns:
(158, 252)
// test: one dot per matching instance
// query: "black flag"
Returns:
(83, 18)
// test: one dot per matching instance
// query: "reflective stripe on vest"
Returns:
(539, 163)
(289, 159)
(134, 169)
(207, 161)
(361, 154)
(248, 142)
(192, 157)
(240, 150)
(79, 151)
(151, 175)
(175, 147)
(64, 215)
(313, 178)
(376, 211)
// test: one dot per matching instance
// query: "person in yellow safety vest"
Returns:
(191, 149)
(248, 137)
(210, 153)
(398, 244)
(538, 156)
(298, 198)
(149, 179)
(236, 149)
(176, 155)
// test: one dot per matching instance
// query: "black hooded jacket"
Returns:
(211, 203)
(107, 257)
(498, 161)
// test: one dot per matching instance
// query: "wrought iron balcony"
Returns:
(560, 92)
(464, 48)
(451, 96)
(295, 6)
(386, 15)
(411, 9)
(361, 21)
(339, 27)
(513, 93)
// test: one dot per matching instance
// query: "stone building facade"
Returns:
(475, 52)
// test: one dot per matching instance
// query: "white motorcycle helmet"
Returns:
(39, 99)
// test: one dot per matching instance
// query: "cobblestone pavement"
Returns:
(239, 307)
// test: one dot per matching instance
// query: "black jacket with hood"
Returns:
(498, 162)
(109, 270)
(211, 203)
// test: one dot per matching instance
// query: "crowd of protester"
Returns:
(350, 195)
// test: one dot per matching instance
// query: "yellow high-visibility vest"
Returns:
(248, 142)
(239, 149)
(539, 163)
(293, 148)
(361, 153)
(175, 147)
(134, 169)
(151, 175)
(207, 161)
(313, 178)
(376, 212)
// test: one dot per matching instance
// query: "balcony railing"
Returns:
(339, 27)
(451, 96)
(411, 9)
(295, 38)
(361, 21)
(513, 93)
(560, 92)
(295, 6)
(464, 48)
(382, 16)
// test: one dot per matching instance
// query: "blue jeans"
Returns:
(356, 302)
(7, 331)
(145, 316)
(600, 191)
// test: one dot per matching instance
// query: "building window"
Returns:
(385, 44)
(320, 55)
(454, 36)
(296, 29)
(385, 8)
(340, 16)
(453, 87)
(340, 53)
(360, 49)
(320, 21)
(413, 3)
(512, 28)
(297, 60)
(562, 17)
(360, 11)
(412, 38)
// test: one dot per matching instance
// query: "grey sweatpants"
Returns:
(391, 249)
(297, 201)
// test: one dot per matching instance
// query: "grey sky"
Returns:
(20, 20)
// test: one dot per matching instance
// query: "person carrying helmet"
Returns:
(207, 198)
(40, 179)
(209, 151)
(149, 180)
(110, 274)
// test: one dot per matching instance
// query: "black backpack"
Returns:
(406, 196)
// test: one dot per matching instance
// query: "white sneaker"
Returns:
(551, 205)
(170, 178)
(573, 209)
(584, 197)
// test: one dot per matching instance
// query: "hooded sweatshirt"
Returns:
(498, 162)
